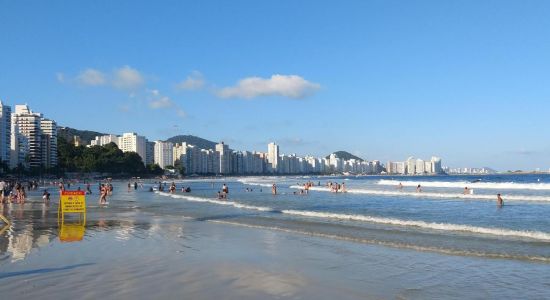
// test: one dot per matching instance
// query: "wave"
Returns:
(536, 235)
(436, 195)
(398, 245)
(248, 182)
(214, 201)
(445, 227)
(462, 184)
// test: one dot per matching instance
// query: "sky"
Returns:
(468, 81)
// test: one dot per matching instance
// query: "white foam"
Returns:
(214, 201)
(394, 244)
(251, 182)
(536, 235)
(436, 195)
(462, 184)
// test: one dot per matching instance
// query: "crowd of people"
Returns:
(14, 191)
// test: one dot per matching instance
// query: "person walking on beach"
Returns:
(500, 202)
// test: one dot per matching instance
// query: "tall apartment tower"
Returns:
(48, 139)
(131, 142)
(164, 154)
(225, 158)
(5, 132)
(273, 156)
(26, 141)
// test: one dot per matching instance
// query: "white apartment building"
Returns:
(164, 154)
(273, 156)
(131, 142)
(105, 140)
(49, 142)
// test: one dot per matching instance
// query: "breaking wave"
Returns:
(462, 184)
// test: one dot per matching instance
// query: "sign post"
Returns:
(72, 202)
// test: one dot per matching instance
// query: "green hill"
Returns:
(193, 140)
(85, 135)
(345, 155)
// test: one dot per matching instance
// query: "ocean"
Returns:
(377, 240)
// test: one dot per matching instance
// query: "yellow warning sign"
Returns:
(73, 202)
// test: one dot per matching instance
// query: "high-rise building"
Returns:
(273, 156)
(131, 142)
(225, 158)
(419, 167)
(164, 154)
(411, 166)
(26, 138)
(436, 165)
(5, 132)
(150, 152)
(49, 143)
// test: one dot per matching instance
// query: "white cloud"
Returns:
(194, 81)
(91, 77)
(127, 78)
(163, 102)
(291, 86)
(181, 113)
(60, 77)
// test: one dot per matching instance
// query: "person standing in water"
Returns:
(500, 202)
(274, 189)
(419, 189)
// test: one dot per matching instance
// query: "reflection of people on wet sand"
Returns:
(419, 189)
(500, 202)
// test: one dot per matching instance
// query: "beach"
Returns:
(255, 245)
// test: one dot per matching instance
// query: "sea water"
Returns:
(375, 211)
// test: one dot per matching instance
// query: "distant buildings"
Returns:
(164, 154)
(469, 171)
(132, 142)
(414, 166)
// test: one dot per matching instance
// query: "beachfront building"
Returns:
(436, 165)
(48, 140)
(224, 155)
(132, 142)
(5, 132)
(163, 154)
(105, 139)
(150, 152)
(415, 167)
(26, 138)
(273, 156)
(33, 141)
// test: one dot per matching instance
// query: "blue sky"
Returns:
(465, 80)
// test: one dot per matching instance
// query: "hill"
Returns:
(85, 135)
(346, 155)
(193, 140)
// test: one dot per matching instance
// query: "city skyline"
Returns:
(380, 80)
